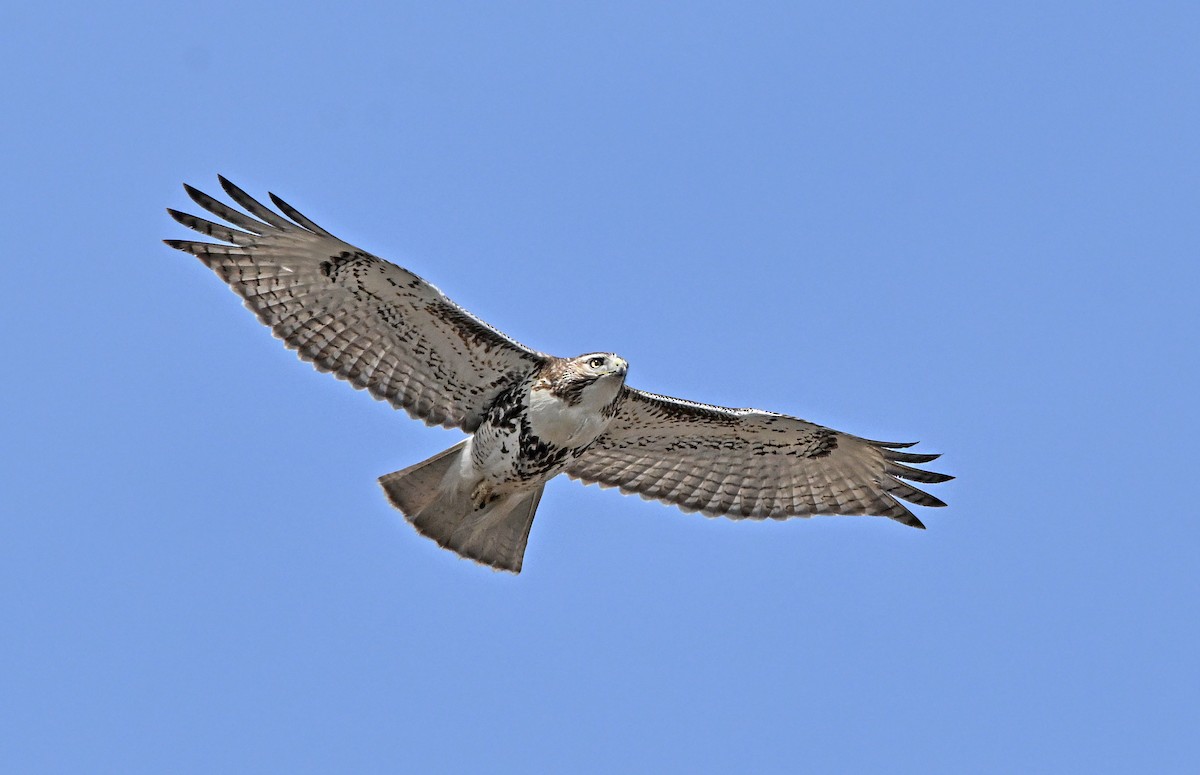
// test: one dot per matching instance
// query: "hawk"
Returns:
(530, 416)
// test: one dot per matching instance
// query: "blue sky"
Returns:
(969, 224)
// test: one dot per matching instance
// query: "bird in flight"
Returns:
(530, 416)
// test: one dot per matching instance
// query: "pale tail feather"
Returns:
(434, 500)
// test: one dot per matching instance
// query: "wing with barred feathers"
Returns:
(747, 463)
(370, 322)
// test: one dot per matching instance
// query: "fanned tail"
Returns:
(435, 498)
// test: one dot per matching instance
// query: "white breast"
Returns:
(555, 421)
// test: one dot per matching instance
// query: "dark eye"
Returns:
(596, 362)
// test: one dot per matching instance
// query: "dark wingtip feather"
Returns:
(253, 206)
(216, 230)
(909, 457)
(906, 517)
(919, 497)
(917, 474)
(894, 444)
(233, 190)
(296, 216)
(187, 220)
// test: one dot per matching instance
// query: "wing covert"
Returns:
(747, 463)
(369, 321)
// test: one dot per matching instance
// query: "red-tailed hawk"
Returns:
(531, 416)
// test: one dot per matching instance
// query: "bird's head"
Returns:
(594, 378)
(600, 365)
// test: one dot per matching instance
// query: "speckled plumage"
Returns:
(531, 415)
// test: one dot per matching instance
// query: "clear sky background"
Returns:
(969, 224)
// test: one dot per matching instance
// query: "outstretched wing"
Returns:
(749, 463)
(370, 322)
